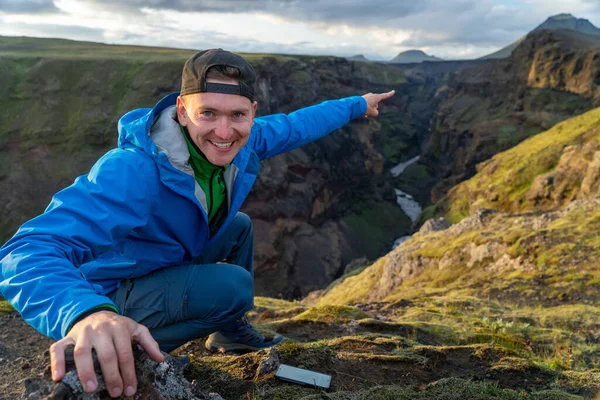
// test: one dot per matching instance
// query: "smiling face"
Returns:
(219, 124)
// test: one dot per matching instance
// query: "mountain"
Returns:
(568, 21)
(357, 57)
(557, 22)
(413, 56)
(492, 106)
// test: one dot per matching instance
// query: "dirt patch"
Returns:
(23, 354)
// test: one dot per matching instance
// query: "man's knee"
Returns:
(242, 286)
(231, 292)
(242, 222)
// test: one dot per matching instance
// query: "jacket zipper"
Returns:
(210, 192)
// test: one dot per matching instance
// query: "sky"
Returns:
(378, 29)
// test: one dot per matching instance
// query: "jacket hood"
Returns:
(134, 127)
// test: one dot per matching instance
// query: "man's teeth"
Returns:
(222, 145)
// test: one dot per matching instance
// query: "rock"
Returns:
(197, 391)
(269, 363)
(155, 381)
(434, 225)
(355, 264)
(590, 187)
(312, 297)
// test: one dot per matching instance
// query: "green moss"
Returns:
(5, 307)
(443, 245)
(274, 304)
(428, 213)
(290, 349)
(445, 389)
(569, 317)
(331, 314)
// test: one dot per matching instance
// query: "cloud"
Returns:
(428, 22)
(8, 28)
(211, 39)
(340, 11)
(27, 7)
(447, 28)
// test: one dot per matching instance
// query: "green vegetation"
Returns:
(331, 314)
(26, 47)
(5, 307)
(377, 75)
(377, 225)
(274, 304)
(442, 347)
(503, 182)
(353, 287)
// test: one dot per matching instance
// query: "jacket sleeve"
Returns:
(279, 133)
(39, 272)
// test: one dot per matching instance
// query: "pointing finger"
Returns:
(384, 96)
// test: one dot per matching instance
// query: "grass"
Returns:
(331, 314)
(5, 307)
(504, 181)
(555, 337)
(355, 287)
(442, 347)
(274, 304)
(26, 47)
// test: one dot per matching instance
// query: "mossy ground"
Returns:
(430, 347)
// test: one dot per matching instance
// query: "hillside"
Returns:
(522, 278)
(548, 171)
(488, 108)
(556, 22)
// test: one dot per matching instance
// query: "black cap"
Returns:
(193, 77)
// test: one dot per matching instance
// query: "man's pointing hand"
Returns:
(373, 100)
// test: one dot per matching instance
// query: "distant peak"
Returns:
(562, 16)
(357, 57)
(569, 22)
(564, 21)
(414, 52)
(414, 56)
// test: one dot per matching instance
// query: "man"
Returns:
(150, 247)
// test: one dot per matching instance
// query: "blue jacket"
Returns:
(137, 210)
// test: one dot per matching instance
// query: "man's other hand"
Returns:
(111, 335)
(373, 100)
